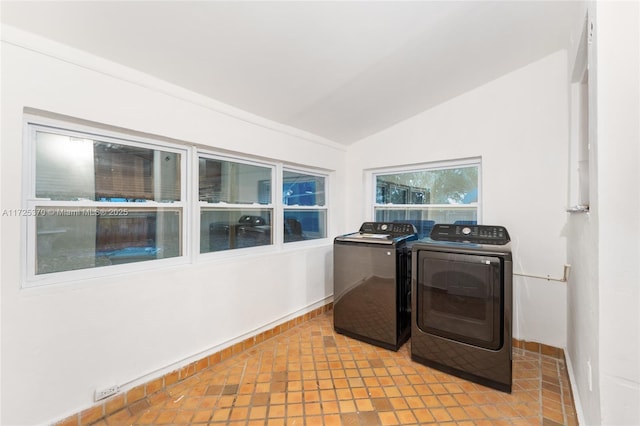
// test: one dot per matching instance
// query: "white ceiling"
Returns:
(340, 70)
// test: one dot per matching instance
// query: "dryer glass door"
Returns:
(459, 297)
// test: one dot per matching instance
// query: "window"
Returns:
(305, 208)
(99, 201)
(424, 196)
(580, 126)
(236, 207)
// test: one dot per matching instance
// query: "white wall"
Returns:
(582, 244)
(518, 124)
(618, 208)
(60, 343)
(603, 297)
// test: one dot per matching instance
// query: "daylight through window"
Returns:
(122, 202)
(101, 201)
(428, 195)
(236, 207)
(305, 208)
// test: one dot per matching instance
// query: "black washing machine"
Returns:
(371, 283)
(461, 315)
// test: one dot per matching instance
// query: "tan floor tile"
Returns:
(311, 396)
(447, 400)
(312, 409)
(399, 403)
(277, 411)
(183, 417)
(386, 381)
(376, 392)
(277, 398)
(422, 390)
(332, 420)
(431, 401)
(475, 412)
(457, 413)
(303, 373)
(438, 389)
(441, 415)
(527, 409)
(414, 402)
(339, 383)
(406, 417)
(221, 414)
(388, 418)
(295, 421)
(147, 418)
(356, 382)
(313, 421)
(166, 417)
(242, 400)
(463, 399)
(423, 415)
(258, 412)
(360, 393)
(526, 421)
(364, 405)
(347, 406)
(392, 392)
(344, 394)
(201, 416)
(239, 413)
(295, 410)
(556, 416)
(407, 390)
(400, 381)
(294, 397)
(331, 407)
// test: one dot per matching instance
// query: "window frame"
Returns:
(189, 203)
(371, 189)
(272, 205)
(581, 106)
(33, 125)
(286, 207)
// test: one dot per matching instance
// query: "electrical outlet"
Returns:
(106, 392)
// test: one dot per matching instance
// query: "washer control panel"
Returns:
(391, 228)
(479, 234)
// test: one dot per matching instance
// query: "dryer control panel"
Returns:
(479, 234)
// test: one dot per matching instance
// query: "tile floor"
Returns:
(309, 375)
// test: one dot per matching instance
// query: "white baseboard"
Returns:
(574, 388)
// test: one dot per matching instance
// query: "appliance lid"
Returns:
(357, 237)
(382, 233)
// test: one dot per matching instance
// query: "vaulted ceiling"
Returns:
(341, 70)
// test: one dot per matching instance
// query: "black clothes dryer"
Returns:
(461, 316)
(371, 283)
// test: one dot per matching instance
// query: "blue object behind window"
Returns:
(299, 193)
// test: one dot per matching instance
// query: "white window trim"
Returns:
(370, 184)
(189, 203)
(275, 221)
(310, 172)
(582, 126)
(31, 125)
